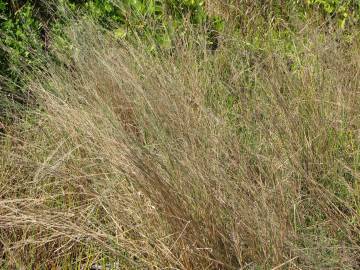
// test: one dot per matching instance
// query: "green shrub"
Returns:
(20, 32)
(20, 35)
(343, 10)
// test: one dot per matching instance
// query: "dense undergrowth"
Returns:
(138, 154)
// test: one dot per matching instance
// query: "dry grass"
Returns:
(247, 158)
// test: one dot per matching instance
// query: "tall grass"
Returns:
(243, 158)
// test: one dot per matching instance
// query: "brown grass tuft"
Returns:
(242, 159)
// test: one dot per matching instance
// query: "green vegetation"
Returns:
(25, 27)
(179, 134)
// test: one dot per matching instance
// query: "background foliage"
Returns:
(24, 24)
(25, 28)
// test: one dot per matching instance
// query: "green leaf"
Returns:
(120, 32)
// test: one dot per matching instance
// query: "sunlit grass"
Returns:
(246, 157)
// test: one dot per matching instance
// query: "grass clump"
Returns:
(245, 157)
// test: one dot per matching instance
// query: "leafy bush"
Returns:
(20, 31)
(24, 26)
(344, 11)
(20, 35)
